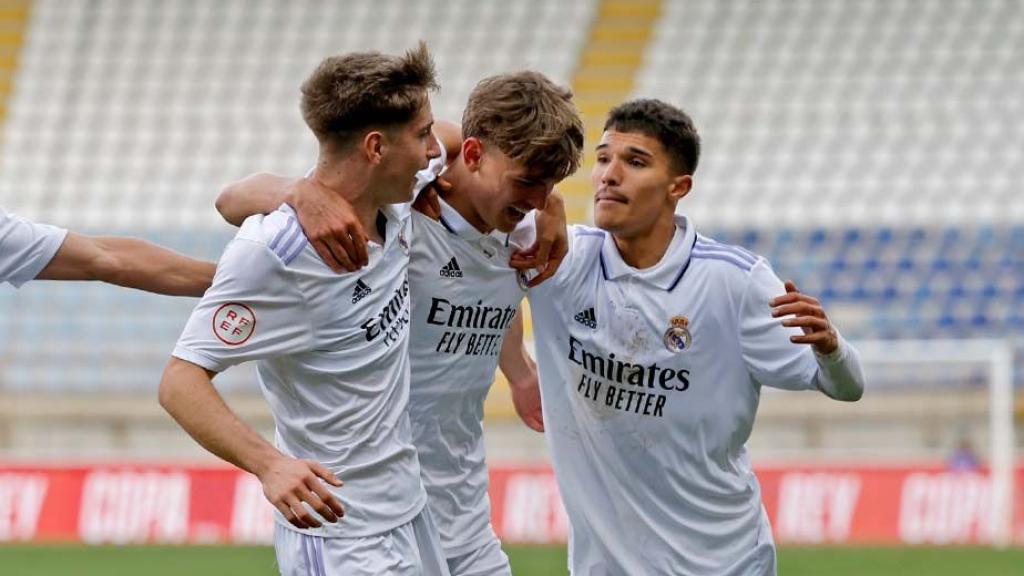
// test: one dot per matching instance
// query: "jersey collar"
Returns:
(456, 223)
(667, 273)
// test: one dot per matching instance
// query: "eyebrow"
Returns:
(631, 149)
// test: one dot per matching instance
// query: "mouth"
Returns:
(516, 213)
(604, 195)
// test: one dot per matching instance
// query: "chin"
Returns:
(604, 220)
(506, 226)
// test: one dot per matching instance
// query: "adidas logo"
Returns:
(451, 269)
(587, 318)
(361, 291)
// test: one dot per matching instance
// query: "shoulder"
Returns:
(586, 238)
(279, 232)
(728, 258)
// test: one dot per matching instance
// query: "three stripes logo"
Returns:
(361, 291)
(587, 318)
(451, 269)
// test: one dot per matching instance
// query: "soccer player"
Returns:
(520, 135)
(331, 350)
(653, 342)
(31, 251)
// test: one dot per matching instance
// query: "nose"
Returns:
(538, 197)
(433, 147)
(607, 174)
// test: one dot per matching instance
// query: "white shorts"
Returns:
(412, 549)
(487, 560)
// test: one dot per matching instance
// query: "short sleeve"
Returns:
(770, 356)
(26, 248)
(253, 310)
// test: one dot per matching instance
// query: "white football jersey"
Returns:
(650, 381)
(26, 248)
(332, 359)
(464, 297)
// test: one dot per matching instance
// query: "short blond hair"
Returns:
(530, 119)
(352, 92)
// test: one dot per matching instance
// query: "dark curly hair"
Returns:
(663, 122)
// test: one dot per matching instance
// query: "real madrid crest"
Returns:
(523, 280)
(678, 338)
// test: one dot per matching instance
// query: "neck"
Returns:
(460, 195)
(346, 180)
(646, 250)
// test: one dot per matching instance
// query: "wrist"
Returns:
(262, 463)
(523, 382)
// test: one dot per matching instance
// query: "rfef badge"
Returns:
(678, 338)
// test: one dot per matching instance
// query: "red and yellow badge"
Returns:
(678, 338)
(234, 323)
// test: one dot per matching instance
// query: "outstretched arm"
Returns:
(188, 394)
(521, 372)
(128, 262)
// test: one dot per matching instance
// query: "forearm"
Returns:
(840, 374)
(188, 395)
(135, 263)
(514, 360)
(256, 194)
(129, 262)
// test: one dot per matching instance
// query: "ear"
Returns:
(680, 187)
(472, 153)
(374, 146)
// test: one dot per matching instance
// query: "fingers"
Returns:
(328, 503)
(808, 323)
(801, 308)
(536, 424)
(819, 339)
(302, 517)
(547, 272)
(543, 253)
(322, 471)
(361, 240)
(315, 494)
(286, 511)
(335, 258)
(524, 259)
(791, 297)
(345, 245)
(791, 287)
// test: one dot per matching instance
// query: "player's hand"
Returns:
(427, 202)
(807, 313)
(526, 399)
(331, 225)
(289, 482)
(551, 246)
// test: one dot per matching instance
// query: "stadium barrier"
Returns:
(172, 504)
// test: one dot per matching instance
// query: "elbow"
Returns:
(224, 202)
(850, 395)
(167, 392)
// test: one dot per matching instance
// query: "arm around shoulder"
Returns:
(259, 193)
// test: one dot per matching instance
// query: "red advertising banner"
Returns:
(136, 504)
